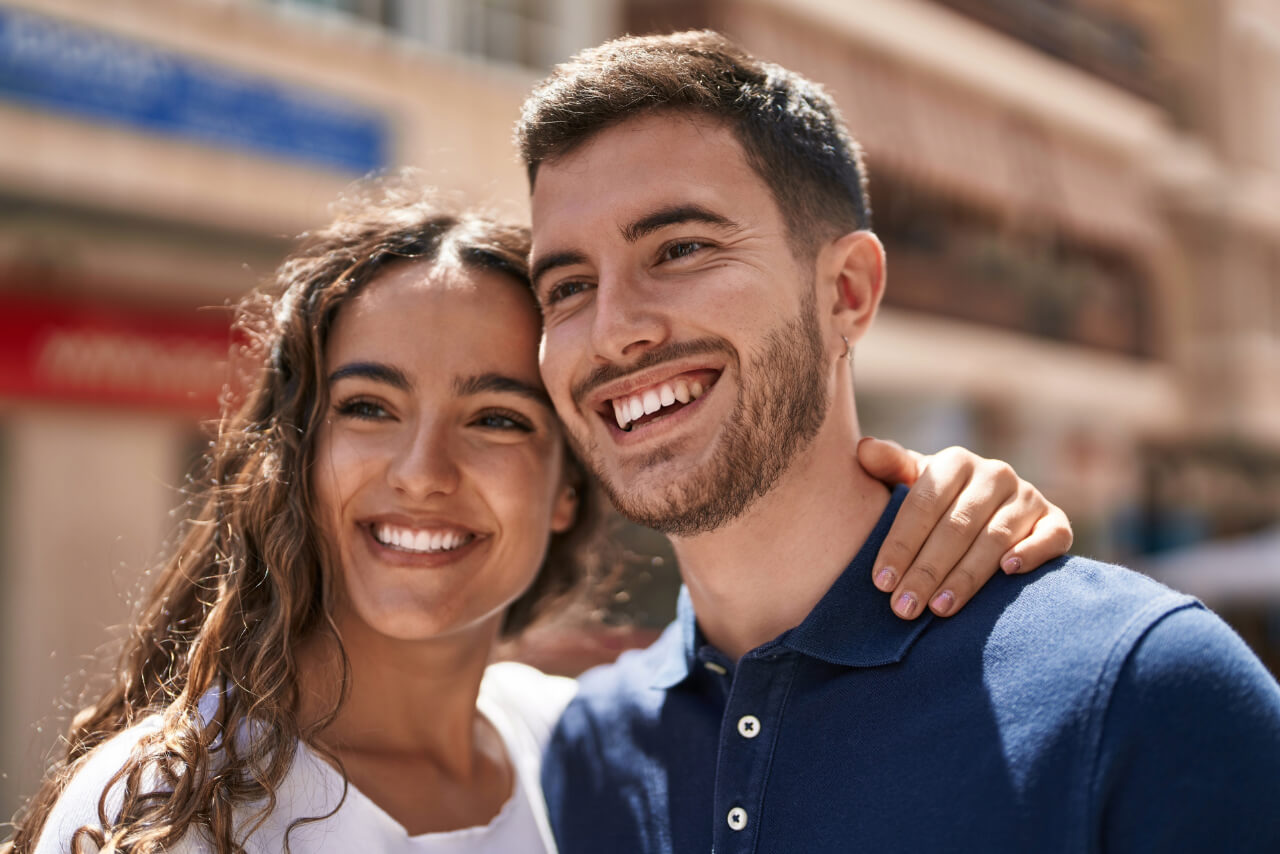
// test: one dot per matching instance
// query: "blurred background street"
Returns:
(1080, 200)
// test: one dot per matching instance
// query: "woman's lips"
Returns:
(425, 546)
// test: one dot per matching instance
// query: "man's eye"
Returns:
(367, 410)
(682, 249)
(564, 290)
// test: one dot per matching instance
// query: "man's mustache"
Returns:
(666, 353)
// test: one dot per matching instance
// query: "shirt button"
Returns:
(748, 726)
(737, 818)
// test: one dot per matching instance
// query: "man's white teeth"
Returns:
(410, 540)
(628, 409)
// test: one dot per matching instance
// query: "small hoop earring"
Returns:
(848, 350)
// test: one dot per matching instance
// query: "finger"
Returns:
(1051, 537)
(992, 485)
(1010, 524)
(930, 497)
(889, 462)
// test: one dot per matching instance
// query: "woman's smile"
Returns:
(425, 546)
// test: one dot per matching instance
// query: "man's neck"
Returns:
(763, 573)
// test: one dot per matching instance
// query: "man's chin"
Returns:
(676, 505)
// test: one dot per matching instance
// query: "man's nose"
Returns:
(425, 463)
(630, 319)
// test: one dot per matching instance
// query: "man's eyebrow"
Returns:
(491, 382)
(376, 371)
(547, 263)
(674, 215)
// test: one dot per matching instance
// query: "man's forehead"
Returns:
(628, 171)
(638, 134)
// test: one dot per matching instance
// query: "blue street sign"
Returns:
(62, 67)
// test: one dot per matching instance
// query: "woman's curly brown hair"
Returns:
(249, 580)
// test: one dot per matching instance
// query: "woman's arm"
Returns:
(964, 517)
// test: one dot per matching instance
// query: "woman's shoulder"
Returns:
(82, 804)
(528, 695)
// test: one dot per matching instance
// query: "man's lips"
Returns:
(661, 398)
(656, 395)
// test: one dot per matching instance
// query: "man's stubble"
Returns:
(782, 404)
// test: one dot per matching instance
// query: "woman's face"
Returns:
(440, 469)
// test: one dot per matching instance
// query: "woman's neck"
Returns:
(407, 733)
(411, 698)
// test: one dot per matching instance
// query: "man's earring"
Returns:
(848, 350)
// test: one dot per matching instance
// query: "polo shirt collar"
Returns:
(677, 649)
(851, 625)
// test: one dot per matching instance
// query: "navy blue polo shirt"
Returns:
(1079, 708)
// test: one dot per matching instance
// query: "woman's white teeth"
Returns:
(410, 540)
(628, 409)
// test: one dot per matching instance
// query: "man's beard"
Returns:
(782, 403)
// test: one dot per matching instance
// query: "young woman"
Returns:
(311, 669)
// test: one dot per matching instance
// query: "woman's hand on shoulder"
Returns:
(965, 517)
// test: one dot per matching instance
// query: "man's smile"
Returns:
(635, 402)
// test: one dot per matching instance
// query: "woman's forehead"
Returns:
(446, 312)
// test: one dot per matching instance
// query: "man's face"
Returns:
(681, 344)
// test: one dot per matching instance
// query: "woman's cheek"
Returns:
(518, 473)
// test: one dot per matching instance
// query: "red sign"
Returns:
(112, 354)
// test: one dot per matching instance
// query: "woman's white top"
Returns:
(522, 703)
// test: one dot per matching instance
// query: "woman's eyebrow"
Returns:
(492, 382)
(376, 371)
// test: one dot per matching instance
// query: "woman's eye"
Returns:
(683, 249)
(564, 290)
(363, 409)
(503, 421)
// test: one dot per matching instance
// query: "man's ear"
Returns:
(852, 268)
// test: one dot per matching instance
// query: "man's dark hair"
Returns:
(789, 128)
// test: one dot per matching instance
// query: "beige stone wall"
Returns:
(86, 501)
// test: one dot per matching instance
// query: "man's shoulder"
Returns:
(1054, 646)
(1080, 601)
(1074, 615)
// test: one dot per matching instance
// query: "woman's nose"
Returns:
(424, 464)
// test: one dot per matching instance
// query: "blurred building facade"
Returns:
(1080, 201)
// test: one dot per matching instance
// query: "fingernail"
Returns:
(887, 579)
(942, 603)
(906, 606)
(1012, 565)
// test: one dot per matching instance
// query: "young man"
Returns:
(703, 257)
